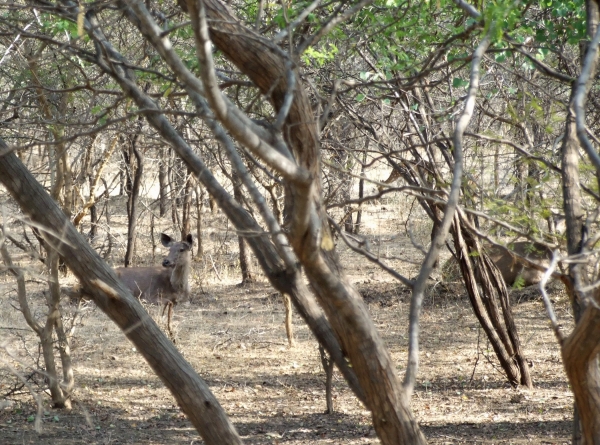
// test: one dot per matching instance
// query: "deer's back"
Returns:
(511, 267)
(151, 284)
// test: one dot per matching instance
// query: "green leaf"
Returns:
(500, 57)
(457, 82)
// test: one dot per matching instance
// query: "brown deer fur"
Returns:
(160, 284)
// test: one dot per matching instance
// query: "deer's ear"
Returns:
(166, 240)
(189, 239)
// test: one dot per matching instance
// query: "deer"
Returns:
(155, 284)
(513, 269)
(162, 284)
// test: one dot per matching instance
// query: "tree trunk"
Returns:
(490, 303)
(199, 239)
(55, 316)
(313, 244)
(172, 176)
(43, 332)
(134, 196)
(327, 364)
(244, 255)
(162, 181)
(93, 223)
(361, 188)
(581, 348)
(580, 351)
(289, 327)
(187, 206)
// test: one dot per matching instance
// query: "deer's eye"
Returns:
(182, 250)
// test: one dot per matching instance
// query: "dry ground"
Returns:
(235, 339)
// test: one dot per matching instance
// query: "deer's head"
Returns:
(179, 252)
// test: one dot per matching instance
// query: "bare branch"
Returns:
(580, 97)
(301, 17)
(371, 257)
(547, 70)
(253, 136)
(289, 96)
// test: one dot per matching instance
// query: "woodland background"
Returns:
(329, 156)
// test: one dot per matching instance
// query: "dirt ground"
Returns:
(235, 339)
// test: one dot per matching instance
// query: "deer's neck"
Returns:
(180, 278)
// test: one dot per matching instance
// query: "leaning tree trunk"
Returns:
(284, 278)
(490, 302)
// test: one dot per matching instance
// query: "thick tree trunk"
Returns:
(380, 386)
(580, 350)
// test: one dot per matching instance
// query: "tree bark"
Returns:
(134, 197)
(379, 386)
(186, 213)
(244, 255)
(580, 350)
(490, 303)
(162, 181)
(199, 238)
(43, 332)
(55, 317)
